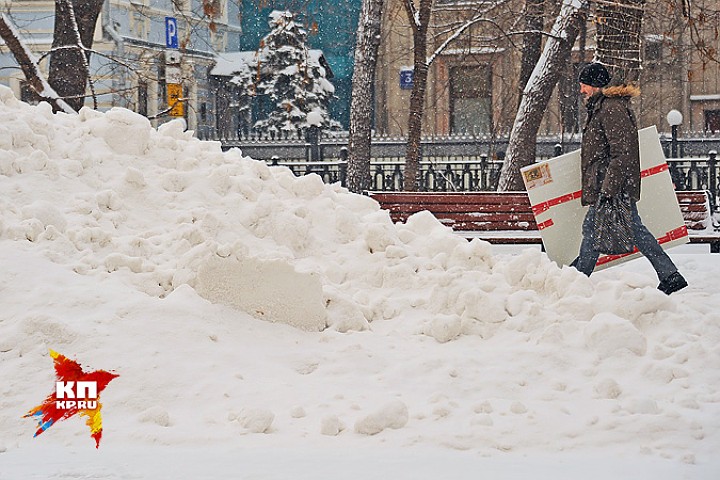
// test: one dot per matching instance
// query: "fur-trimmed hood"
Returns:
(616, 91)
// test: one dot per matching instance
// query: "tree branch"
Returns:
(29, 65)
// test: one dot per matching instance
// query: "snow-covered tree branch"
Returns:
(29, 65)
(537, 92)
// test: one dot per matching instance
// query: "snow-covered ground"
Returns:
(272, 327)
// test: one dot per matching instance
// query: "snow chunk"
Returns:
(46, 213)
(255, 420)
(157, 415)
(135, 177)
(608, 388)
(115, 261)
(444, 328)
(643, 406)
(344, 315)
(331, 425)
(268, 289)
(392, 415)
(124, 131)
(297, 412)
(609, 334)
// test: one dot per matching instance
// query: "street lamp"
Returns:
(674, 118)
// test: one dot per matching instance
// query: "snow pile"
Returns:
(163, 209)
(147, 251)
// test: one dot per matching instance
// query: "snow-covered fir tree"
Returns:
(291, 75)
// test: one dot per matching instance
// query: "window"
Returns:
(653, 51)
(139, 25)
(142, 107)
(653, 48)
(470, 100)
(712, 120)
(218, 41)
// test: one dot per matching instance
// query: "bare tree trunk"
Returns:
(532, 41)
(28, 64)
(618, 39)
(366, 51)
(74, 27)
(569, 88)
(419, 20)
(521, 148)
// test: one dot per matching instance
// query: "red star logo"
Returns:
(66, 401)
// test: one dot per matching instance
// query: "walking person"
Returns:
(610, 164)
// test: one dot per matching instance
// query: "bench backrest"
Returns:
(695, 208)
(493, 211)
(463, 210)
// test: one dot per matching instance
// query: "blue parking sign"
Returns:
(171, 32)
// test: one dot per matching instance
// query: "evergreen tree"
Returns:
(292, 78)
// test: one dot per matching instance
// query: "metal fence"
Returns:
(483, 174)
(459, 163)
(328, 146)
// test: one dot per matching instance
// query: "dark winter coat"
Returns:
(610, 155)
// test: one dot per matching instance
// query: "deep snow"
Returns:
(268, 326)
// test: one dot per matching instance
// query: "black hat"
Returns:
(595, 75)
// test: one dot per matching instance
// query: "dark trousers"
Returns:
(644, 240)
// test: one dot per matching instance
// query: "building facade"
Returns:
(136, 48)
(134, 64)
(473, 83)
(473, 86)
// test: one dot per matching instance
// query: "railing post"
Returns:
(313, 137)
(483, 172)
(344, 153)
(428, 182)
(449, 179)
(712, 178)
(397, 178)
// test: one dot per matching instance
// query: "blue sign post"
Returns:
(406, 79)
(171, 32)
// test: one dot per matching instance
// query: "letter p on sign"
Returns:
(171, 32)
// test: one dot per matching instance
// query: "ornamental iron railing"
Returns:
(458, 163)
(448, 174)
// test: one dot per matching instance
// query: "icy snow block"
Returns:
(267, 289)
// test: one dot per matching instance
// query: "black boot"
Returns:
(673, 283)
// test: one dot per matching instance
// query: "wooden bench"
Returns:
(507, 218)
